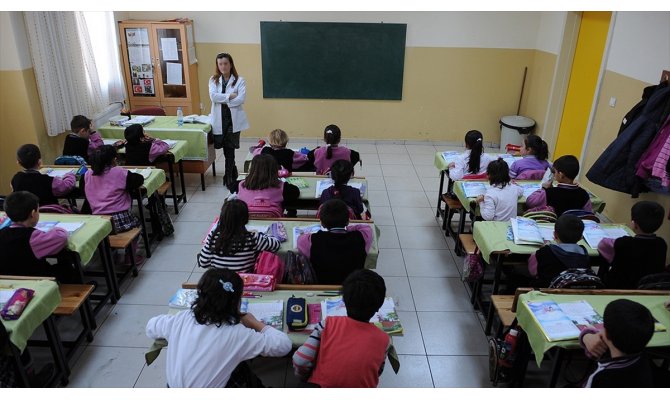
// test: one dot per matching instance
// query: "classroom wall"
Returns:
(627, 88)
(463, 71)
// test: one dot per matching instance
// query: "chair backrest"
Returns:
(55, 209)
(583, 214)
(530, 175)
(541, 216)
(154, 110)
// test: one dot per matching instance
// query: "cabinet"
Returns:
(159, 64)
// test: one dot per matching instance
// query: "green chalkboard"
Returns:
(330, 60)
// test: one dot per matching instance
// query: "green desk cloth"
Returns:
(540, 344)
(370, 260)
(178, 150)
(85, 240)
(596, 202)
(442, 165)
(297, 338)
(167, 128)
(47, 298)
(491, 237)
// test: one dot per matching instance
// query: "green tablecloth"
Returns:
(167, 128)
(151, 184)
(540, 344)
(596, 202)
(178, 150)
(491, 237)
(85, 240)
(47, 298)
(370, 260)
(442, 165)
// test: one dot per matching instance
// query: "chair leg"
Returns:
(86, 321)
(131, 250)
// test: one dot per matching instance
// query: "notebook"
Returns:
(60, 172)
(526, 231)
(301, 230)
(5, 295)
(594, 233)
(473, 189)
(70, 227)
(196, 119)
(170, 142)
(450, 156)
(110, 142)
(145, 172)
(385, 318)
(324, 184)
(270, 312)
(297, 181)
(529, 188)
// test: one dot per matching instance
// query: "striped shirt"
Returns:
(243, 260)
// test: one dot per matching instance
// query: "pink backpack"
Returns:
(270, 264)
(261, 207)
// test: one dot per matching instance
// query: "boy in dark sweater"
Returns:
(287, 158)
(567, 195)
(549, 261)
(45, 187)
(632, 258)
(628, 327)
(339, 249)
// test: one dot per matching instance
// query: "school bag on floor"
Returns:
(473, 268)
(164, 221)
(298, 269)
(269, 263)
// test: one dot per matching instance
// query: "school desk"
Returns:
(200, 155)
(250, 156)
(174, 156)
(540, 344)
(297, 338)
(38, 312)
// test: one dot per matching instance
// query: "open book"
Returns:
(196, 119)
(509, 159)
(145, 172)
(170, 142)
(301, 230)
(558, 323)
(140, 119)
(385, 318)
(526, 231)
(450, 156)
(270, 312)
(60, 172)
(594, 233)
(70, 227)
(300, 182)
(473, 189)
(324, 184)
(528, 188)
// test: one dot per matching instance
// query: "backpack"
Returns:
(269, 263)
(473, 269)
(298, 269)
(70, 160)
(503, 364)
(577, 278)
(164, 225)
(262, 208)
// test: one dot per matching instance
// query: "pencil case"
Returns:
(16, 304)
(278, 230)
(258, 283)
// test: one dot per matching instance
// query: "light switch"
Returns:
(612, 101)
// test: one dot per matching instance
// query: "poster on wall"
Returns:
(139, 58)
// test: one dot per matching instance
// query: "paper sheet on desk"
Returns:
(300, 230)
(146, 173)
(324, 184)
(61, 172)
(170, 142)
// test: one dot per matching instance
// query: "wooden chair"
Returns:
(504, 306)
(154, 110)
(451, 207)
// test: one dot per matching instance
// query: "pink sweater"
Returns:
(323, 164)
(107, 193)
(270, 197)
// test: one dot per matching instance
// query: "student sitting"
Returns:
(339, 249)
(473, 160)
(324, 157)
(341, 172)
(550, 260)
(628, 327)
(499, 203)
(262, 189)
(209, 344)
(535, 152)
(632, 258)
(286, 158)
(142, 149)
(83, 140)
(347, 352)
(229, 245)
(46, 188)
(24, 248)
(567, 195)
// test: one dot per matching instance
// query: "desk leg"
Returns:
(56, 348)
(108, 265)
(522, 358)
(202, 181)
(16, 354)
(173, 186)
(214, 168)
(145, 234)
(556, 367)
(497, 264)
(439, 194)
(181, 179)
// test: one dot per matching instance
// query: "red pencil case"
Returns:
(16, 304)
(258, 283)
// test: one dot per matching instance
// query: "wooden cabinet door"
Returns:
(139, 63)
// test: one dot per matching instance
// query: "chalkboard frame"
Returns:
(333, 60)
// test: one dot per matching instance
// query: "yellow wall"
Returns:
(583, 80)
(606, 124)
(22, 122)
(446, 92)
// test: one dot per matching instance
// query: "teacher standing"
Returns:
(227, 90)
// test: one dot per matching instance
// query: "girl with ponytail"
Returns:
(324, 157)
(473, 160)
(535, 153)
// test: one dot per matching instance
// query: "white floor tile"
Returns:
(439, 294)
(378, 198)
(388, 237)
(213, 194)
(412, 216)
(397, 184)
(408, 199)
(422, 237)
(420, 149)
(391, 149)
(422, 158)
(398, 288)
(188, 232)
(154, 288)
(452, 334)
(102, 367)
(154, 375)
(126, 327)
(203, 212)
(414, 372)
(369, 169)
(411, 341)
(368, 159)
(382, 215)
(403, 171)
(390, 263)
(394, 158)
(426, 171)
(430, 263)
(172, 257)
(460, 371)
(376, 183)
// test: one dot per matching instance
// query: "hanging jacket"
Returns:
(615, 168)
(647, 160)
(637, 109)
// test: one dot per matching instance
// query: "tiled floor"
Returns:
(443, 343)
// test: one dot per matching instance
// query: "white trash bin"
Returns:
(513, 130)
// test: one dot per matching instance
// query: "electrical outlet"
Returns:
(612, 101)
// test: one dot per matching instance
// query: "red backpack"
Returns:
(270, 264)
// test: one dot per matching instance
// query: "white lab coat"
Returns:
(237, 113)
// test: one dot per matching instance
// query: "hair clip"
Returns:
(227, 286)
(329, 131)
(479, 139)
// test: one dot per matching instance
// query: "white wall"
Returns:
(640, 44)
(550, 31)
(14, 51)
(424, 29)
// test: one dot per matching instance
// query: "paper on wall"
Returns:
(174, 74)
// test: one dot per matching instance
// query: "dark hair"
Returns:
(134, 133)
(569, 228)
(629, 325)
(215, 305)
(19, 205)
(568, 165)
(363, 292)
(648, 215)
(331, 135)
(79, 122)
(230, 233)
(474, 141)
(498, 172)
(263, 173)
(102, 159)
(28, 155)
(233, 70)
(539, 147)
(334, 213)
(340, 172)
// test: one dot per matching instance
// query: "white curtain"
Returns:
(72, 77)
